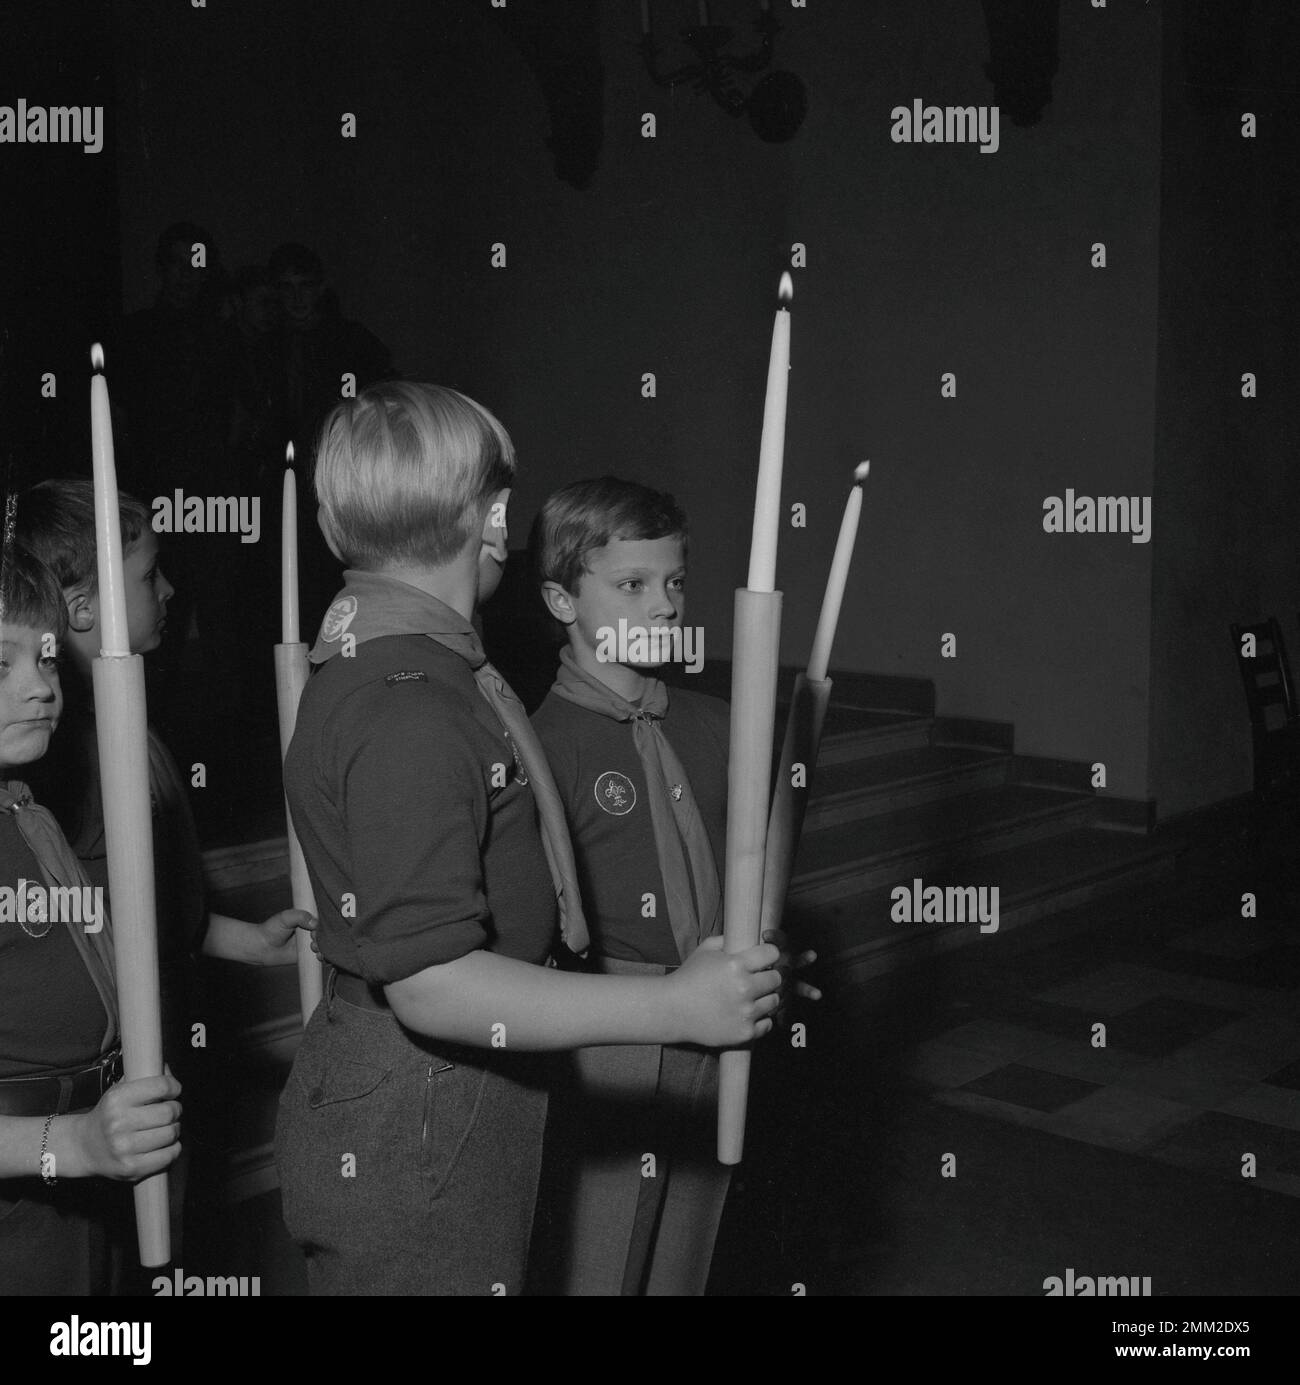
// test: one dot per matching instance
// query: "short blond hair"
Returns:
(404, 473)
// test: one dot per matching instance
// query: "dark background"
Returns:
(920, 259)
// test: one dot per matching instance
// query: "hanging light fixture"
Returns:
(776, 104)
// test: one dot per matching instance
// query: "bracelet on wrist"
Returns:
(48, 1176)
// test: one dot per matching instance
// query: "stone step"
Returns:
(857, 938)
(854, 857)
(851, 734)
(853, 790)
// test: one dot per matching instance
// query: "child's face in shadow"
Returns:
(259, 309)
(182, 280)
(641, 581)
(30, 696)
(147, 594)
(300, 297)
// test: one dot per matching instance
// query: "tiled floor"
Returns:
(1118, 1087)
(1178, 1043)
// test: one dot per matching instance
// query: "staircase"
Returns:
(902, 795)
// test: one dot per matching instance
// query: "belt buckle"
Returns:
(110, 1072)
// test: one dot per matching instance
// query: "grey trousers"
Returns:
(634, 1192)
(70, 1239)
(408, 1167)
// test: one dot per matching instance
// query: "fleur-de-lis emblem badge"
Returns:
(615, 793)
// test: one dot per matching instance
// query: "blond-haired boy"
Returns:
(410, 1131)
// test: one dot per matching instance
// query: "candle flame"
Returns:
(96, 357)
(288, 454)
(786, 290)
(860, 472)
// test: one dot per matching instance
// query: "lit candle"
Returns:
(289, 554)
(114, 641)
(771, 454)
(291, 670)
(756, 642)
(820, 658)
(122, 734)
(803, 727)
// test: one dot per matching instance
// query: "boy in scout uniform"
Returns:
(72, 1137)
(634, 1190)
(410, 1131)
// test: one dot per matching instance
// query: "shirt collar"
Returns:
(373, 605)
(575, 684)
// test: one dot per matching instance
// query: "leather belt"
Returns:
(45, 1093)
(358, 992)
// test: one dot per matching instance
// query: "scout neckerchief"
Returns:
(59, 866)
(372, 606)
(685, 853)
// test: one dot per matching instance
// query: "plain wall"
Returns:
(921, 259)
(1226, 484)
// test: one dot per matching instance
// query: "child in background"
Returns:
(410, 1131)
(643, 775)
(56, 521)
(67, 1133)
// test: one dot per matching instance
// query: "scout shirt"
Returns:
(599, 775)
(419, 831)
(52, 1013)
(68, 781)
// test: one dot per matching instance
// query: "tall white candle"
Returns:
(820, 657)
(123, 738)
(114, 640)
(289, 554)
(771, 454)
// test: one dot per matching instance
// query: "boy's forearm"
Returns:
(234, 940)
(20, 1147)
(539, 1007)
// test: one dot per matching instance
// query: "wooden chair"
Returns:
(1270, 699)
